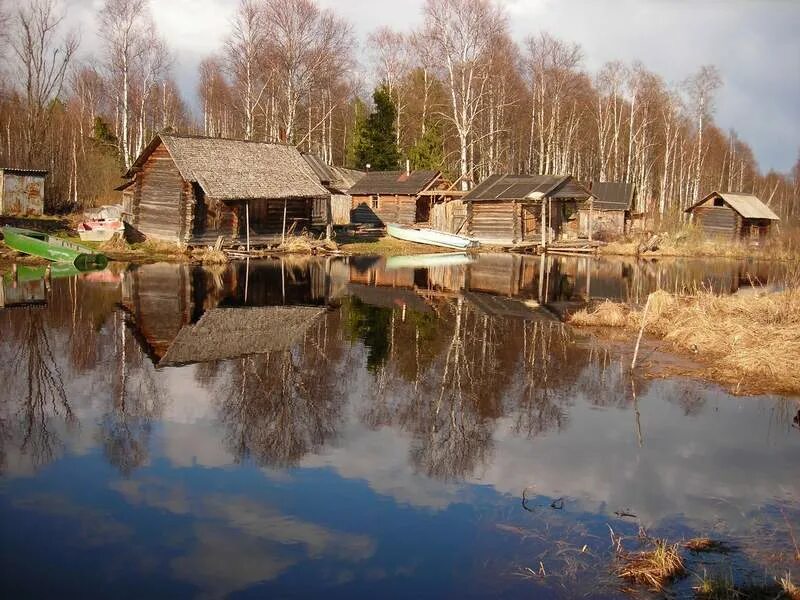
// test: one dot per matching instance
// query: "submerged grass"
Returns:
(656, 568)
(722, 587)
(705, 544)
(754, 339)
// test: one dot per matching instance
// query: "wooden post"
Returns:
(283, 230)
(591, 217)
(549, 219)
(246, 278)
(544, 222)
(641, 331)
(247, 224)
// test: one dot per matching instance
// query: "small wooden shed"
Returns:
(611, 209)
(22, 191)
(406, 197)
(191, 190)
(506, 210)
(733, 215)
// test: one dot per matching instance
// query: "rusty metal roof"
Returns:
(747, 205)
(613, 195)
(393, 182)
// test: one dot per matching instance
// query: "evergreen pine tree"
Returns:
(376, 145)
(427, 152)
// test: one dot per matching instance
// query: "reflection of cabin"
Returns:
(192, 190)
(611, 209)
(338, 181)
(509, 209)
(21, 191)
(406, 197)
(734, 216)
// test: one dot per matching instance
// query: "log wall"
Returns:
(390, 209)
(160, 199)
(717, 221)
(493, 222)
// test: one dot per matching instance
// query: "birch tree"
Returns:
(701, 88)
(244, 53)
(43, 54)
(124, 29)
(460, 33)
(390, 50)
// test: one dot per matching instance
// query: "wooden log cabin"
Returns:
(190, 190)
(734, 216)
(405, 197)
(507, 210)
(611, 209)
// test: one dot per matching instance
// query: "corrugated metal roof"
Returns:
(516, 187)
(393, 182)
(612, 195)
(747, 205)
(24, 171)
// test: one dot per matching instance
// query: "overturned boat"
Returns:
(101, 225)
(52, 248)
(431, 237)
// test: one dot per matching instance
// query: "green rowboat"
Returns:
(53, 248)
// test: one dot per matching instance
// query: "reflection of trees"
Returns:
(371, 325)
(454, 438)
(540, 408)
(137, 401)
(35, 378)
(279, 406)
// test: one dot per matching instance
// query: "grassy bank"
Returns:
(751, 343)
(382, 246)
(690, 241)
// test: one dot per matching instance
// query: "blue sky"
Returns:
(755, 45)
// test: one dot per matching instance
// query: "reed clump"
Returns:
(723, 588)
(211, 256)
(705, 544)
(117, 243)
(306, 243)
(655, 568)
(751, 337)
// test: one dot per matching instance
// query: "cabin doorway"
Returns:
(200, 211)
(530, 223)
(422, 213)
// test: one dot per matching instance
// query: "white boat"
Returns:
(431, 237)
(425, 261)
(101, 224)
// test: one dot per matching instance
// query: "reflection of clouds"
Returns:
(97, 527)
(240, 541)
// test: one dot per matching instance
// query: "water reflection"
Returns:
(333, 417)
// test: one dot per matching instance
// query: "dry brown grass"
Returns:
(750, 341)
(655, 568)
(306, 244)
(607, 314)
(117, 243)
(705, 544)
(210, 256)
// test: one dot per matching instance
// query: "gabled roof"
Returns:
(236, 169)
(337, 179)
(526, 187)
(747, 205)
(612, 195)
(394, 182)
(224, 333)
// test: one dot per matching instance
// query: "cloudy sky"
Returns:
(755, 44)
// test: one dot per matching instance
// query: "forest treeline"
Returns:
(461, 95)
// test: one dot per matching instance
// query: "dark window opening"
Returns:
(719, 202)
(374, 201)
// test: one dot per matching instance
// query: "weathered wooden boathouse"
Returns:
(734, 216)
(22, 191)
(191, 190)
(405, 197)
(611, 209)
(507, 210)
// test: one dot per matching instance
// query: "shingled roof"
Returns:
(238, 170)
(613, 195)
(337, 179)
(747, 205)
(394, 182)
(526, 187)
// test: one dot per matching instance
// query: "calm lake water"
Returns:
(367, 427)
